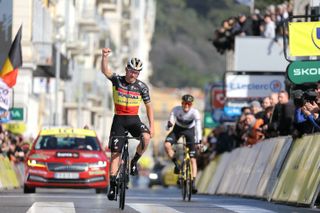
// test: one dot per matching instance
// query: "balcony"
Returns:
(107, 6)
(76, 47)
(106, 2)
(89, 20)
(46, 64)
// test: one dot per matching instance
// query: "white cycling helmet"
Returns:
(135, 63)
(187, 98)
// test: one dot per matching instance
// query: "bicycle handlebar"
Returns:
(187, 143)
(127, 137)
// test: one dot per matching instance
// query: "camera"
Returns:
(301, 97)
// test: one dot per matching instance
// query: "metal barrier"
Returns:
(299, 180)
(276, 169)
(9, 174)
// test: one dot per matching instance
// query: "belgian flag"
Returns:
(9, 70)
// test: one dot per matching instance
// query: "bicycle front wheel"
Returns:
(182, 180)
(188, 180)
(122, 185)
(122, 195)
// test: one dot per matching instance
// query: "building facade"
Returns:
(60, 82)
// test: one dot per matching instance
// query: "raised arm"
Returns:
(105, 69)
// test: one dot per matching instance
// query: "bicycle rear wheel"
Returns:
(188, 180)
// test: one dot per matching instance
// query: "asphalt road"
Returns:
(138, 200)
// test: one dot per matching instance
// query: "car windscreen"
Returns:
(52, 142)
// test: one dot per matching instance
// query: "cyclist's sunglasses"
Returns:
(135, 72)
(184, 103)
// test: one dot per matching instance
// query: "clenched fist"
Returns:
(106, 52)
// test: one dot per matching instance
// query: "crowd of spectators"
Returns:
(12, 146)
(267, 24)
(15, 148)
(276, 115)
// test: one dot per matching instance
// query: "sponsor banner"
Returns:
(209, 122)
(300, 72)
(304, 38)
(67, 155)
(258, 54)
(5, 92)
(218, 98)
(232, 111)
(253, 86)
(214, 96)
(216, 117)
(16, 114)
(16, 128)
(233, 107)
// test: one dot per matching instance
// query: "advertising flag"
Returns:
(9, 70)
(304, 38)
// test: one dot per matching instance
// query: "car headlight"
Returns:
(153, 176)
(35, 163)
(99, 164)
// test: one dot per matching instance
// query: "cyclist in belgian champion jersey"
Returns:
(128, 92)
(186, 120)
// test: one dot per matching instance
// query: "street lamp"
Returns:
(59, 22)
(80, 63)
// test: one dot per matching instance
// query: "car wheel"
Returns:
(28, 190)
(102, 190)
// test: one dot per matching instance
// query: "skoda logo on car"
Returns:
(300, 72)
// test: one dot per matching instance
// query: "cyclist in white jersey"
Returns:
(186, 120)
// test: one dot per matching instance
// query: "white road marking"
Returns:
(100, 196)
(151, 208)
(244, 209)
(52, 207)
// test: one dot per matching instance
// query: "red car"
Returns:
(66, 158)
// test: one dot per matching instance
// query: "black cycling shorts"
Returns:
(189, 134)
(122, 123)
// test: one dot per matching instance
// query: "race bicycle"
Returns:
(122, 177)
